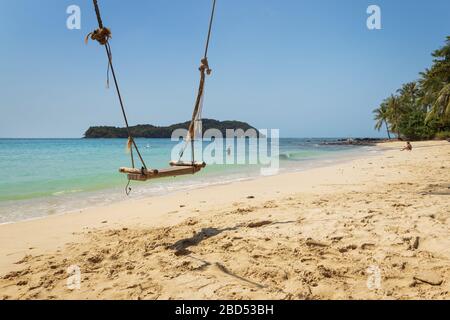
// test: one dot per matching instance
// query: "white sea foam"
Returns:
(59, 193)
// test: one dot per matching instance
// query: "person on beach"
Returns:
(408, 146)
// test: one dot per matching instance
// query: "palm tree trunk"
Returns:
(396, 123)
(387, 129)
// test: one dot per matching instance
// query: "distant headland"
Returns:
(151, 131)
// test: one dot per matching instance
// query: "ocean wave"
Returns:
(296, 156)
(60, 193)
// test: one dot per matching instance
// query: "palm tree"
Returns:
(381, 117)
(409, 88)
(430, 85)
(394, 113)
(409, 93)
(441, 108)
(421, 108)
(435, 83)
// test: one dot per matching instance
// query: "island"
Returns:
(151, 131)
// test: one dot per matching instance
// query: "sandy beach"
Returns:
(373, 228)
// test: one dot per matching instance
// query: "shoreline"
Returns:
(174, 193)
(143, 191)
(294, 199)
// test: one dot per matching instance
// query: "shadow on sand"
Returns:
(181, 247)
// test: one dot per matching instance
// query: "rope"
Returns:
(210, 28)
(97, 13)
(130, 137)
(128, 188)
(102, 36)
(204, 68)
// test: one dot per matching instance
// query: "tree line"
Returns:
(420, 109)
(150, 131)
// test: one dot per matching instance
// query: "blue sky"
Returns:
(308, 67)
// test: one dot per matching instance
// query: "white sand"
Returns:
(312, 234)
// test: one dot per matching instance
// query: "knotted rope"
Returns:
(205, 66)
(102, 35)
(204, 70)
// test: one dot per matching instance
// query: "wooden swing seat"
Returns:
(176, 169)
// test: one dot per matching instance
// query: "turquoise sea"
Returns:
(40, 177)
